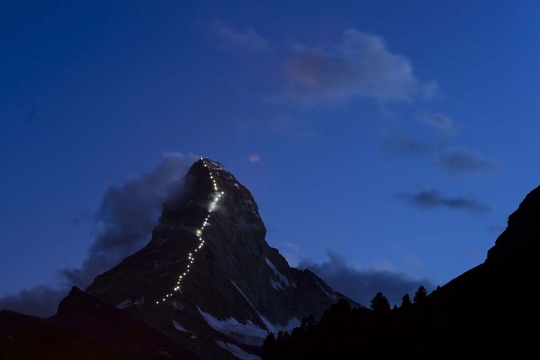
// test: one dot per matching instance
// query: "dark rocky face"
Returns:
(208, 278)
(520, 239)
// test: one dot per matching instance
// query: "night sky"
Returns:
(385, 142)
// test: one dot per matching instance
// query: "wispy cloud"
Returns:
(41, 300)
(249, 40)
(254, 158)
(362, 284)
(360, 65)
(464, 161)
(441, 123)
(404, 144)
(291, 253)
(125, 220)
(430, 199)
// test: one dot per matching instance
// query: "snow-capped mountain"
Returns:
(208, 279)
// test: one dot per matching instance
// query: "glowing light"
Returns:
(157, 302)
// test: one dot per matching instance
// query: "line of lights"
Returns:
(199, 234)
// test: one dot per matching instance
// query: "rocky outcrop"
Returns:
(522, 235)
(208, 278)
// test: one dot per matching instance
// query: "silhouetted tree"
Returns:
(303, 324)
(395, 307)
(286, 336)
(405, 301)
(420, 295)
(310, 321)
(340, 308)
(380, 303)
(296, 333)
(269, 347)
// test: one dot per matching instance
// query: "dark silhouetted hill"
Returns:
(489, 310)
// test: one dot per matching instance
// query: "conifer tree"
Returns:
(380, 303)
(420, 295)
(405, 301)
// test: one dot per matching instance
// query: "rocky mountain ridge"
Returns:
(208, 278)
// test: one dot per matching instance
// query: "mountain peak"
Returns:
(208, 278)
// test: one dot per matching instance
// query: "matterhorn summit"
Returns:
(208, 279)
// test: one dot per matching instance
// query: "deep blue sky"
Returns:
(399, 134)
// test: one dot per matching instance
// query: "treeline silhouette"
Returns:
(343, 332)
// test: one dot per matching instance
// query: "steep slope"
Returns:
(207, 278)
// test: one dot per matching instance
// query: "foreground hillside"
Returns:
(488, 310)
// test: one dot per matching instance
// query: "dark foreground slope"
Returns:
(84, 328)
(489, 310)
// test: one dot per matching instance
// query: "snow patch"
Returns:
(267, 323)
(248, 333)
(236, 351)
(331, 296)
(215, 166)
(177, 306)
(179, 327)
(124, 304)
(164, 353)
(277, 273)
(276, 285)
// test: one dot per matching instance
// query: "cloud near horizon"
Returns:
(360, 65)
(430, 199)
(124, 222)
(362, 285)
